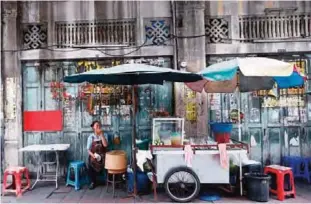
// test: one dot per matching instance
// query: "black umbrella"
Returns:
(133, 74)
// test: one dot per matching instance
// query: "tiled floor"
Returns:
(47, 194)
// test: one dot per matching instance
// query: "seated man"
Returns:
(96, 147)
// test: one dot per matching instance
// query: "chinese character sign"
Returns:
(191, 107)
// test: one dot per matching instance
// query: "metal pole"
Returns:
(239, 115)
(175, 48)
(241, 174)
(134, 140)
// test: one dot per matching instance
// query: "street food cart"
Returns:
(181, 181)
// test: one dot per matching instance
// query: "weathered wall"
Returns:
(71, 11)
(12, 86)
(193, 51)
(90, 10)
(77, 10)
(240, 7)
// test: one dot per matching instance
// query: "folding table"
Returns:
(40, 164)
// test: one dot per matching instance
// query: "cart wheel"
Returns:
(182, 184)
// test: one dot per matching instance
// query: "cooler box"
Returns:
(221, 131)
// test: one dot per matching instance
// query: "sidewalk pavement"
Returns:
(46, 193)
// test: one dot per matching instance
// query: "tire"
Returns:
(182, 185)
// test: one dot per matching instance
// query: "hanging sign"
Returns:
(191, 107)
(290, 101)
(191, 111)
(85, 66)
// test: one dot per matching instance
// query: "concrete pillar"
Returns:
(1, 104)
(12, 84)
(190, 22)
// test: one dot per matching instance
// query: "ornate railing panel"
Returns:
(34, 36)
(274, 27)
(217, 29)
(157, 31)
(107, 32)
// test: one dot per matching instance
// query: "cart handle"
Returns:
(240, 145)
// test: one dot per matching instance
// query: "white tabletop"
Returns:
(45, 147)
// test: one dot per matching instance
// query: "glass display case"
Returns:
(168, 131)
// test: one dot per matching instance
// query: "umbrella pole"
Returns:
(134, 166)
(239, 116)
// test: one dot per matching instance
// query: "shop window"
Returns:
(274, 115)
(309, 135)
(235, 134)
(255, 134)
(274, 145)
(245, 137)
(251, 107)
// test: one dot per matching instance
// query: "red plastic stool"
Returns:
(280, 172)
(17, 185)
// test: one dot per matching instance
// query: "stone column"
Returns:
(190, 22)
(1, 104)
(12, 85)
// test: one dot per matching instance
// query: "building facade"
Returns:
(44, 41)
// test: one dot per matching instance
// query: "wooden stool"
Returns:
(280, 173)
(17, 173)
(113, 173)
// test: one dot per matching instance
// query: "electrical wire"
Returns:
(136, 48)
(44, 48)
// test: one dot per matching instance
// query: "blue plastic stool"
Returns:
(291, 161)
(77, 182)
(296, 163)
(305, 172)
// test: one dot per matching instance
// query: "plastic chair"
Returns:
(302, 169)
(80, 176)
(17, 175)
(290, 161)
(280, 172)
(300, 166)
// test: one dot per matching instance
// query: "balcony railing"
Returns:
(276, 27)
(107, 32)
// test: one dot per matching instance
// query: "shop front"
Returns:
(43, 90)
(274, 123)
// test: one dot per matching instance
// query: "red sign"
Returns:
(43, 121)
